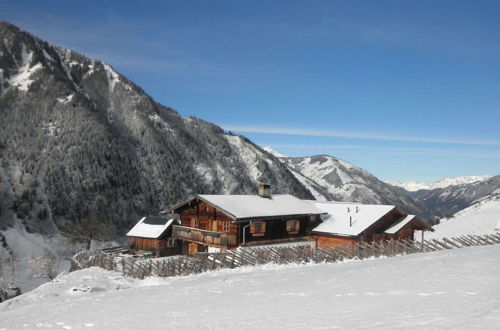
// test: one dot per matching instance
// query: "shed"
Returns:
(151, 233)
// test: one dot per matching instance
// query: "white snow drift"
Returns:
(447, 289)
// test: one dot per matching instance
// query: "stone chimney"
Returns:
(265, 190)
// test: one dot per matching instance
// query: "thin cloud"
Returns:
(357, 136)
(435, 152)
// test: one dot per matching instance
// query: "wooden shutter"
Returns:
(258, 228)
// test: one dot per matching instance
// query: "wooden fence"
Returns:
(202, 262)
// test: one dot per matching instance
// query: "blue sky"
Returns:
(408, 90)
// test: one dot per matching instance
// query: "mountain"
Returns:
(451, 199)
(273, 152)
(443, 183)
(479, 218)
(334, 179)
(81, 145)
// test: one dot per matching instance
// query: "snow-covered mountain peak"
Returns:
(443, 183)
(273, 152)
(339, 180)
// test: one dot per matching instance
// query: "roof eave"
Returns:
(314, 232)
(244, 219)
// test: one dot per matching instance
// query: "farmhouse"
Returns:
(207, 222)
(229, 221)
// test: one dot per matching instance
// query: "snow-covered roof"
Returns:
(497, 227)
(254, 206)
(394, 229)
(151, 227)
(349, 219)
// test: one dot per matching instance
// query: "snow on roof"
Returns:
(394, 229)
(254, 206)
(153, 229)
(497, 227)
(349, 219)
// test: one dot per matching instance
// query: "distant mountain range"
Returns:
(443, 183)
(81, 143)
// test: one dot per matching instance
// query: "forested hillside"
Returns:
(81, 144)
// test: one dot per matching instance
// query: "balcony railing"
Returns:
(203, 236)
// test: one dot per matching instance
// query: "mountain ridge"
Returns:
(337, 179)
(413, 186)
(83, 141)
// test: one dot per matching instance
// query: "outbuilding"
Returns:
(348, 223)
(153, 233)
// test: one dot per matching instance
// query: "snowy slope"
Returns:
(318, 192)
(412, 292)
(479, 218)
(443, 183)
(273, 152)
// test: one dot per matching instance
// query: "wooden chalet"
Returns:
(348, 223)
(230, 221)
(152, 233)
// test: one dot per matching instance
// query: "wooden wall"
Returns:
(147, 243)
(209, 218)
(276, 229)
(158, 246)
(331, 241)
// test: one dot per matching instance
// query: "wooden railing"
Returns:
(204, 236)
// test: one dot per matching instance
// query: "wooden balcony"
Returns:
(204, 236)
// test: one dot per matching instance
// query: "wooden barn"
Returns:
(153, 233)
(348, 223)
(229, 221)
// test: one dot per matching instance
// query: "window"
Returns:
(258, 228)
(194, 222)
(292, 226)
(225, 226)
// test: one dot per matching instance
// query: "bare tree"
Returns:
(8, 274)
(91, 227)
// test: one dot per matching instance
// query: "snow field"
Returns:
(477, 219)
(446, 289)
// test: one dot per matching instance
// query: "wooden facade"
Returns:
(375, 232)
(329, 240)
(206, 225)
(158, 247)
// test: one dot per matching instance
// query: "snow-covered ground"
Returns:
(443, 183)
(28, 247)
(448, 289)
(479, 218)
